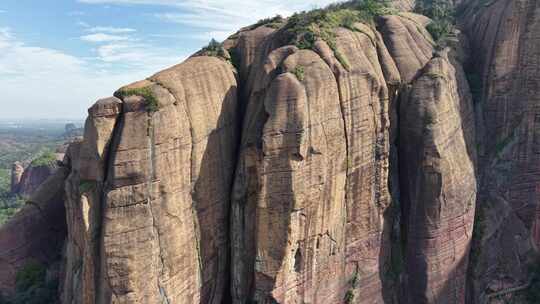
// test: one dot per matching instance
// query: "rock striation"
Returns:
(150, 190)
(36, 233)
(505, 39)
(25, 181)
(361, 164)
(437, 182)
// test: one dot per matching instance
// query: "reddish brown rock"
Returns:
(303, 232)
(168, 201)
(164, 234)
(32, 177)
(16, 174)
(36, 233)
(438, 183)
(84, 187)
(505, 38)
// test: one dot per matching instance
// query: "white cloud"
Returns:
(82, 24)
(43, 82)
(221, 15)
(3, 11)
(112, 30)
(101, 37)
(132, 53)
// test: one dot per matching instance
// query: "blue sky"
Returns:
(58, 56)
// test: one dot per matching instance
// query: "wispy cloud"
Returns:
(110, 29)
(102, 37)
(3, 11)
(132, 53)
(220, 15)
(51, 79)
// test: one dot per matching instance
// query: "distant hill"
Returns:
(30, 143)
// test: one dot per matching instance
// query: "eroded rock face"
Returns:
(16, 174)
(505, 38)
(166, 196)
(84, 202)
(32, 177)
(438, 182)
(285, 175)
(310, 210)
(36, 233)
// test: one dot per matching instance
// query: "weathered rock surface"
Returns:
(273, 174)
(31, 178)
(84, 202)
(36, 233)
(166, 197)
(310, 201)
(17, 171)
(505, 37)
(438, 182)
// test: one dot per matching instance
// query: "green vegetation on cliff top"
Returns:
(442, 16)
(305, 28)
(46, 157)
(150, 101)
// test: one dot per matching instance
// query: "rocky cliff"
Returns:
(505, 39)
(36, 233)
(348, 155)
(25, 180)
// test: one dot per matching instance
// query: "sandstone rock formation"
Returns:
(278, 167)
(438, 182)
(17, 171)
(33, 177)
(36, 233)
(25, 179)
(149, 191)
(505, 37)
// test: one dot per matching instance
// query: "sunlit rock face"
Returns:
(505, 40)
(438, 182)
(358, 170)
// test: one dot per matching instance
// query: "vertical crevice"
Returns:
(100, 273)
(149, 181)
(241, 106)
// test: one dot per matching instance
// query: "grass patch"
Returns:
(31, 274)
(9, 204)
(8, 212)
(32, 286)
(349, 297)
(86, 186)
(44, 159)
(344, 62)
(442, 16)
(299, 72)
(150, 100)
(440, 30)
(354, 280)
(305, 28)
(214, 49)
(274, 22)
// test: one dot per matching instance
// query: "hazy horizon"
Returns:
(57, 58)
